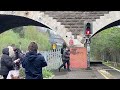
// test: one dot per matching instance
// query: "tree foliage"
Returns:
(106, 45)
(20, 31)
(30, 34)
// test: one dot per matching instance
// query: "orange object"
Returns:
(78, 57)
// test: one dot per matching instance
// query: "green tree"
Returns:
(19, 30)
(106, 45)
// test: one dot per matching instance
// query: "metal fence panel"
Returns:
(53, 58)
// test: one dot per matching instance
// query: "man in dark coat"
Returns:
(62, 50)
(6, 63)
(33, 62)
(66, 59)
(18, 55)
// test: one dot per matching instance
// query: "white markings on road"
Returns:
(106, 74)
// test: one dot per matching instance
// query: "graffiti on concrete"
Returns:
(74, 51)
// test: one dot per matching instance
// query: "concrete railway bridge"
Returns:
(67, 24)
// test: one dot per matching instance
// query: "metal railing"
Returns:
(52, 57)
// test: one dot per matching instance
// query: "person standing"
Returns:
(66, 59)
(15, 54)
(7, 64)
(62, 50)
(18, 55)
(33, 62)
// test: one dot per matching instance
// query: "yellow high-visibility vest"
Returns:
(54, 46)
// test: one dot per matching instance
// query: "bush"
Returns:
(47, 73)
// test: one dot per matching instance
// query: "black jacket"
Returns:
(6, 62)
(33, 63)
(18, 55)
(66, 55)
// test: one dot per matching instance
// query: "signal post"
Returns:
(88, 32)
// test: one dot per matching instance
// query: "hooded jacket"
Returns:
(6, 62)
(66, 55)
(33, 63)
